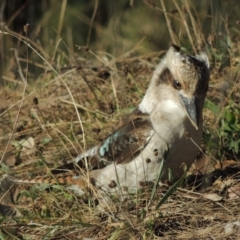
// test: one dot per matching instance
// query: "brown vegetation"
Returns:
(55, 105)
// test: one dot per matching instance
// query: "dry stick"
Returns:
(186, 26)
(53, 69)
(19, 67)
(55, 49)
(161, 10)
(194, 25)
(60, 23)
(136, 47)
(91, 23)
(26, 39)
(197, 21)
(39, 65)
(115, 93)
(86, 109)
(212, 22)
(11, 80)
(168, 23)
(70, 41)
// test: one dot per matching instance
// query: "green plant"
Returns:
(223, 140)
(229, 131)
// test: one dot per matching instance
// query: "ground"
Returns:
(48, 118)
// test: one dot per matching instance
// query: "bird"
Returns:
(161, 135)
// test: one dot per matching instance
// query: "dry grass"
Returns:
(54, 118)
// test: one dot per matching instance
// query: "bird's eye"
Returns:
(177, 85)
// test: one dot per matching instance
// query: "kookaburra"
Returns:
(165, 126)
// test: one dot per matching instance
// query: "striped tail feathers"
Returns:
(77, 183)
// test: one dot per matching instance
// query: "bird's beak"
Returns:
(191, 106)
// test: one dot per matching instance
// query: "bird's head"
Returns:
(186, 78)
(189, 77)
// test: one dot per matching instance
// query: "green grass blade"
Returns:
(171, 190)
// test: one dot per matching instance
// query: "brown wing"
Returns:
(128, 140)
